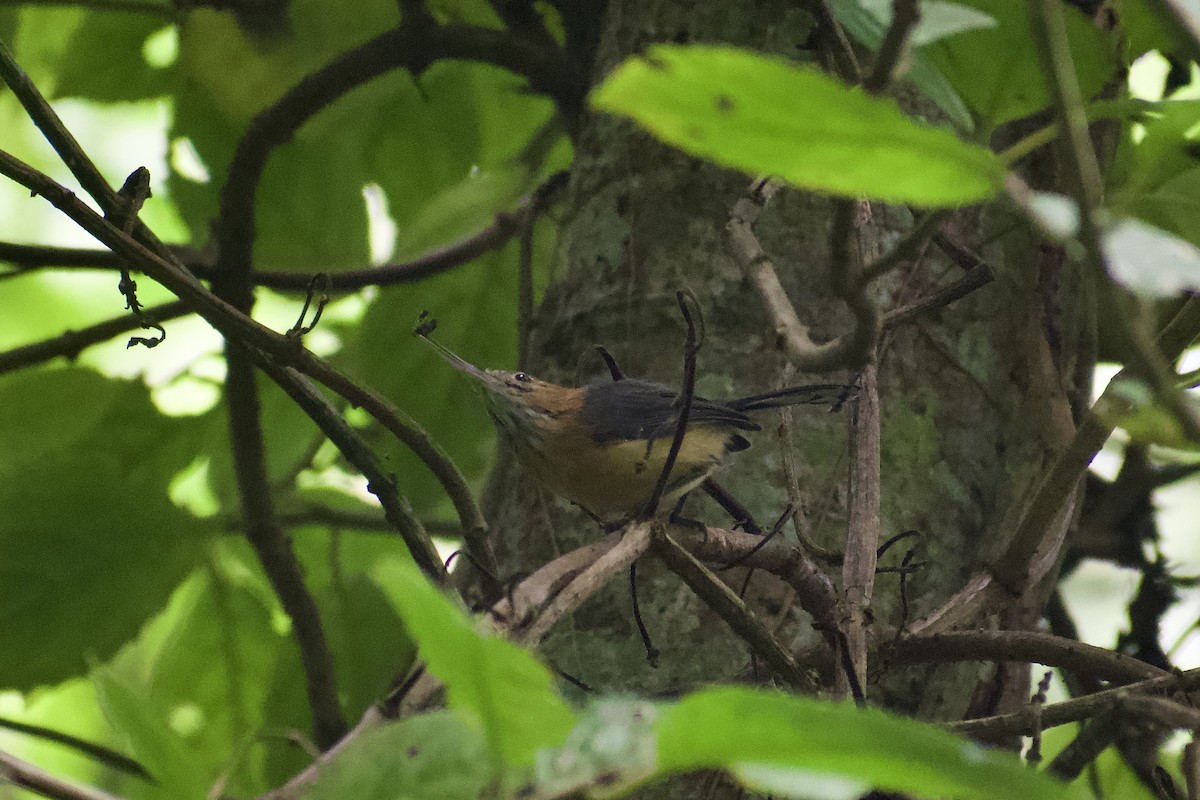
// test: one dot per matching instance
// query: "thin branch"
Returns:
(65, 145)
(906, 249)
(731, 608)
(98, 752)
(70, 344)
(684, 403)
(273, 547)
(356, 451)
(1074, 710)
(1086, 185)
(905, 16)
(849, 349)
(864, 525)
(839, 48)
(21, 773)
(522, 18)
(411, 46)
(1033, 647)
(1092, 740)
(979, 276)
(633, 542)
(232, 323)
(495, 235)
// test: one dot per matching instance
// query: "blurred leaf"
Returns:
(1145, 420)
(1143, 31)
(429, 757)
(370, 643)
(1150, 261)
(105, 62)
(867, 29)
(937, 21)
(799, 747)
(502, 688)
(762, 115)
(177, 774)
(997, 72)
(462, 209)
(209, 657)
(90, 544)
(1173, 206)
(1056, 214)
(1167, 148)
(613, 747)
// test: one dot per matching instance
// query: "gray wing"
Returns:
(636, 409)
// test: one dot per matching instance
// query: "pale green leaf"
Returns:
(766, 116)
(799, 747)
(491, 681)
(1149, 260)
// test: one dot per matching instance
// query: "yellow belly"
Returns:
(617, 479)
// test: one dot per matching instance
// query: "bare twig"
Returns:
(498, 232)
(1080, 708)
(99, 753)
(864, 525)
(70, 344)
(684, 404)
(849, 349)
(731, 608)
(21, 773)
(1032, 647)
(634, 541)
(905, 16)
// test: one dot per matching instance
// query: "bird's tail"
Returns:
(833, 395)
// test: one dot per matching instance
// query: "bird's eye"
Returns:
(521, 377)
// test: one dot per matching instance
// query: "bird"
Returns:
(603, 446)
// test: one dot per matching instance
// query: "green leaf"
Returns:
(143, 725)
(1168, 147)
(429, 757)
(799, 747)
(613, 747)
(997, 72)
(90, 544)
(763, 115)
(105, 60)
(496, 684)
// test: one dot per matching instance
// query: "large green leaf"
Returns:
(494, 683)
(90, 544)
(431, 757)
(997, 72)
(763, 115)
(798, 747)
(105, 60)
(144, 727)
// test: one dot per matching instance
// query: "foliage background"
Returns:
(138, 618)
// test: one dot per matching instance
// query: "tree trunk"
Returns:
(976, 398)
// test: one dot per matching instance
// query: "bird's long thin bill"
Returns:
(455, 361)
